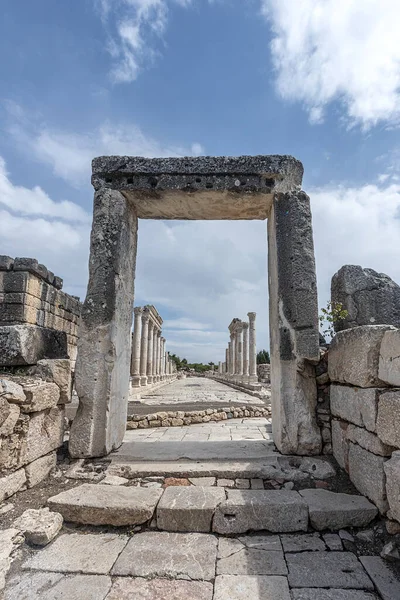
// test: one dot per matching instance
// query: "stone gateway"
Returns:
(261, 187)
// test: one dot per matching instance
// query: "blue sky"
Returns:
(318, 79)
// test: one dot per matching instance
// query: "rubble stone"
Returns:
(349, 362)
(39, 469)
(59, 372)
(39, 526)
(10, 484)
(10, 539)
(11, 391)
(39, 396)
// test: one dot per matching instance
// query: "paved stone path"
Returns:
(196, 566)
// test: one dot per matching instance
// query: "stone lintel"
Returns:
(199, 187)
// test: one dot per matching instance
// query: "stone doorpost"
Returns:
(245, 351)
(294, 338)
(144, 347)
(252, 348)
(135, 367)
(150, 353)
(101, 381)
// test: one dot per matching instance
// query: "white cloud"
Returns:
(70, 154)
(345, 50)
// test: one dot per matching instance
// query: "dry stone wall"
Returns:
(32, 296)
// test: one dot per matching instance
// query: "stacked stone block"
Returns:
(32, 295)
(365, 406)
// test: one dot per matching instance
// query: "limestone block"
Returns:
(256, 587)
(59, 372)
(188, 508)
(388, 422)
(39, 469)
(92, 504)
(39, 526)
(30, 265)
(11, 420)
(327, 569)
(27, 344)
(137, 588)
(45, 434)
(330, 510)
(366, 471)
(392, 470)
(369, 297)
(354, 356)
(10, 484)
(48, 586)
(340, 443)
(39, 395)
(11, 391)
(368, 440)
(356, 405)
(389, 358)
(246, 510)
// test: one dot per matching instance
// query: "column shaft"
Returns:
(150, 353)
(143, 347)
(246, 351)
(135, 364)
(252, 348)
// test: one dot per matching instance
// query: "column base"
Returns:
(143, 380)
(135, 381)
(253, 379)
(150, 379)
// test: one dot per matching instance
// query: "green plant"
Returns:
(263, 357)
(332, 314)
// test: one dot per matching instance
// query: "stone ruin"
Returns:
(38, 339)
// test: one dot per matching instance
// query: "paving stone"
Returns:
(229, 483)
(327, 569)
(277, 511)
(333, 541)
(203, 481)
(57, 586)
(242, 484)
(76, 553)
(229, 546)
(308, 542)
(92, 504)
(135, 588)
(165, 554)
(188, 509)
(10, 539)
(39, 526)
(331, 510)
(386, 580)
(257, 484)
(319, 594)
(242, 587)
(252, 561)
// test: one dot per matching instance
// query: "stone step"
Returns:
(205, 509)
(96, 504)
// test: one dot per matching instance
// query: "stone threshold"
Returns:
(216, 509)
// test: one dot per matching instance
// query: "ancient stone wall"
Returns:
(32, 295)
(364, 370)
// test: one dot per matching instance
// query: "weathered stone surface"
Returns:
(367, 473)
(39, 395)
(57, 586)
(27, 344)
(39, 469)
(4, 411)
(356, 405)
(159, 589)
(340, 443)
(370, 441)
(327, 569)
(369, 297)
(252, 561)
(6, 262)
(276, 511)
(103, 362)
(389, 358)
(114, 480)
(310, 542)
(45, 434)
(320, 594)
(354, 356)
(59, 372)
(39, 526)
(13, 412)
(203, 481)
(293, 325)
(242, 587)
(188, 508)
(392, 471)
(331, 510)
(164, 554)
(386, 580)
(79, 553)
(93, 504)
(10, 539)
(333, 541)
(11, 391)
(388, 422)
(229, 546)
(10, 484)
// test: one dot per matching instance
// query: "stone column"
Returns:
(253, 378)
(143, 347)
(245, 352)
(158, 363)
(232, 356)
(162, 359)
(166, 364)
(104, 345)
(220, 368)
(135, 365)
(150, 353)
(293, 323)
(155, 344)
(226, 363)
(240, 352)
